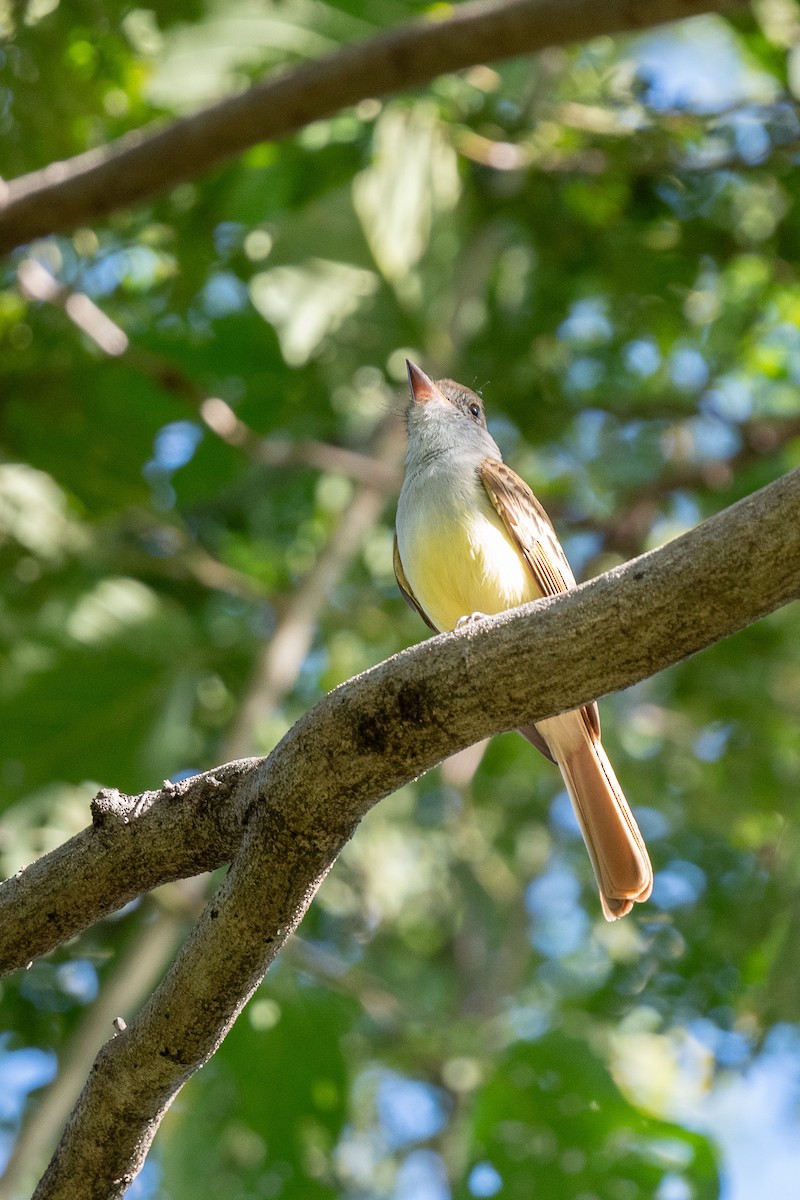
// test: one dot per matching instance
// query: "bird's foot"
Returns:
(476, 616)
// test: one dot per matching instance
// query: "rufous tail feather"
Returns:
(616, 847)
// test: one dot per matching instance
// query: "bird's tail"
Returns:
(616, 847)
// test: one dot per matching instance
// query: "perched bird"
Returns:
(472, 540)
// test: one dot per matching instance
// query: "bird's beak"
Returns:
(423, 389)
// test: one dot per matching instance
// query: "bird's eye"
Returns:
(475, 409)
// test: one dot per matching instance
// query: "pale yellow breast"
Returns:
(458, 565)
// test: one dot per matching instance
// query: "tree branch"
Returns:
(128, 849)
(146, 162)
(297, 808)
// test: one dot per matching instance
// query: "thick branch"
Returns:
(425, 704)
(147, 162)
(374, 733)
(135, 843)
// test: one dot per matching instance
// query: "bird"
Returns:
(472, 540)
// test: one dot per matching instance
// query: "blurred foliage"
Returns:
(605, 240)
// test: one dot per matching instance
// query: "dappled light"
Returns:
(202, 442)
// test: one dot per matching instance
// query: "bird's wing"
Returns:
(534, 536)
(529, 526)
(405, 588)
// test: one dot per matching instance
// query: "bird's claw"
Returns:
(467, 620)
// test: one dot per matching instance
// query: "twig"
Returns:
(37, 283)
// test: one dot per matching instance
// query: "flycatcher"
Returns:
(471, 540)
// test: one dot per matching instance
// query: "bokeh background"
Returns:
(199, 459)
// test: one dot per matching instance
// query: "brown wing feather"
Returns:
(530, 527)
(405, 587)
